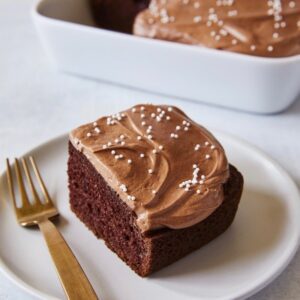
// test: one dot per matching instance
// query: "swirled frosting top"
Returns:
(269, 28)
(168, 169)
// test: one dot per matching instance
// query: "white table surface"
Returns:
(38, 103)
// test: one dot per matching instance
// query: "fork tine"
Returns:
(24, 198)
(41, 182)
(10, 184)
(33, 190)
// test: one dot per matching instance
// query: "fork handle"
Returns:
(73, 279)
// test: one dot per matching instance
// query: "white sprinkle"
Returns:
(198, 191)
(154, 151)
(270, 48)
(122, 137)
(186, 128)
(158, 109)
(131, 198)
(277, 17)
(276, 25)
(207, 156)
(129, 161)
(218, 37)
(149, 136)
(194, 166)
(142, 116)
(197, 147)
(197, 19)
(196, 4)
(206, 143)
(88, 134)
(201, 181)
(178, 128)
(252, 47)
(232, 13)
(123, 188)
(168, 118)
(275, 35)
(139, 137)
(123, 143)
(113, 152)
(188, 124)
(95, 124)
(153, 192)
(104, 146)
(186, 189)
(160, 147)
(121, 156)
(153, 115)
(184, 122)
(142, 108)
(117, 141)
(292, 4)
(203, 177)
(282, 24)
(97, 129)
(170, 108)
(134, 109)
(158, 119)
(234, 42)
(109, 144)
(143, 123)
(212, 147)
(142, 155)
(117, 157)
(150, 171)
(223, 32)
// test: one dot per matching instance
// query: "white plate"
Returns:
(254, 250)
(256, 84)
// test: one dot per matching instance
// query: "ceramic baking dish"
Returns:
(255, 84)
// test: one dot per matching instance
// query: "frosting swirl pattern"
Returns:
(269, 28)
(169, 170)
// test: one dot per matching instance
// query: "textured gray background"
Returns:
(38, 103)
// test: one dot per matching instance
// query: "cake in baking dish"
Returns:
(152, 183)
(257, 27)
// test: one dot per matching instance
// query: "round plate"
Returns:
(250, 254)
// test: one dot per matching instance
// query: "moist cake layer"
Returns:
(166, 168)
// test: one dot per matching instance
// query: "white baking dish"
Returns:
(255, 84)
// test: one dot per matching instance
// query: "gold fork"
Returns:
(73, 279)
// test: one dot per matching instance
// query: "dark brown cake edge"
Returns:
(108, 217)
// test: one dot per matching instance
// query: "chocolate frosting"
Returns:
(269, 28)
(169, 170)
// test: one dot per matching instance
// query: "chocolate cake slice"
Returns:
(152, 183)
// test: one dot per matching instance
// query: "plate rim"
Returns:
(251, 289)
